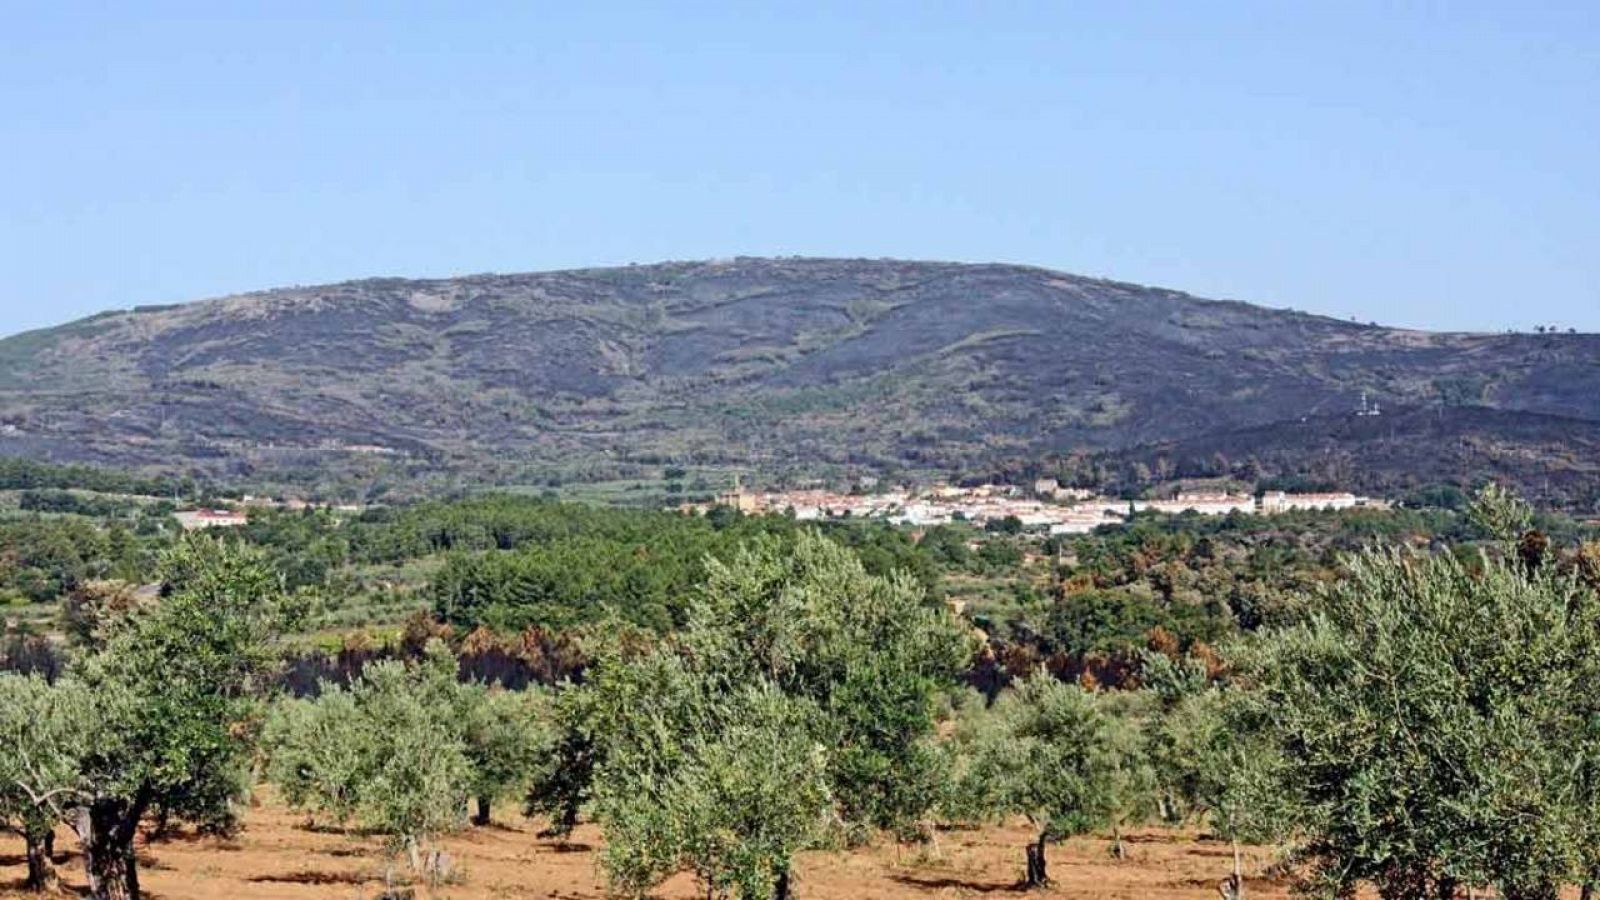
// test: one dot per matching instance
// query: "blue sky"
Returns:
(1421, 164)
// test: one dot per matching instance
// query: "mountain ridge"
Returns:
(403, 280)
(782, 365)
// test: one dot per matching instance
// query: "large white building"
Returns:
(1204, 504)
(192, 519)
(1279, 501)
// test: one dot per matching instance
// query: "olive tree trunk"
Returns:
(482, 817)
(41, 871)
(562, 826)
(1232, 887)
(413, 852)
(1038, 874)
(106, 830)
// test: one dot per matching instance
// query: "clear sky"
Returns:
(1424, 164)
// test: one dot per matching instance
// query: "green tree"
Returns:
(1499, 514)
(726, 784)
(1213, 757)
(173, 692)
(794, 665)
(873, 653)
(388, 753)
(1437, 720)
(1048, 751)
(316, 751)
(561, 783)
(505, 734)
(40, 727)
(1131, 781)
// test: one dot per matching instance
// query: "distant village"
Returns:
(1047, 507)
(1043, 507)
(234, 517)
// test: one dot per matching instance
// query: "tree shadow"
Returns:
(228, 842)
(1213, 852)
(940, 883)
(312, 877)
(497, 826)
(569, 847)
(314, 827)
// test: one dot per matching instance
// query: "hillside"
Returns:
(1553, 460)
(778, 365)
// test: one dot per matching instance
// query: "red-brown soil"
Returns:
(277, 856)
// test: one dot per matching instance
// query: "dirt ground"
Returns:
(276, 856)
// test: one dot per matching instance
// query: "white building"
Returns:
(1279, 501)
(1205, 504)
(192, 519)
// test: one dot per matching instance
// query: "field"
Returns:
(276, 856)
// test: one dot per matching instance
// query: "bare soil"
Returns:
(278, 856)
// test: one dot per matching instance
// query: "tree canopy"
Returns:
(1437, 719)
(801, 691)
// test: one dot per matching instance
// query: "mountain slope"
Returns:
(778, 364)
(1553, 460)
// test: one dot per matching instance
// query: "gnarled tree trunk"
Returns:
(41, 871)
(105, 830)
(1038, 874)
(113, 872)
(482, 816)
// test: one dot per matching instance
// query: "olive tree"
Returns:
(315, 754)
(725, 782)
(1050, 752)
(562, 780)
(874, 654)
(1436, 719)
(40, 726)
(1132, 785)
(1213, 756)
(172, 692)
(505, 735)
(796, 668)
(386, 752)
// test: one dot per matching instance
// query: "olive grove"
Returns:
(157, 717)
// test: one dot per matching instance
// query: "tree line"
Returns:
(1423, 723)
